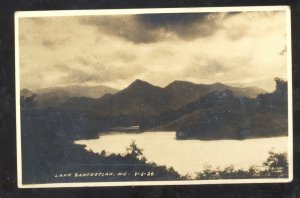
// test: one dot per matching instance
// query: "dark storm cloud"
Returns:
(170, 19)
(126, 27)
(148, 28)
(184, 26)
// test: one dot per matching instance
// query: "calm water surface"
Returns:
(190, 156)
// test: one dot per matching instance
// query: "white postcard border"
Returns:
(23, 14)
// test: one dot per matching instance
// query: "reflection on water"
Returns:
(190, 156)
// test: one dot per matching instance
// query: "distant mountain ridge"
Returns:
(220, 115)
(194, 111)
(186, 92)
(56, 96)
(141, 97)
(95, 91)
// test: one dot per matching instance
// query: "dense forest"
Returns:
(275, 166)
(214, 111)
(75, 164)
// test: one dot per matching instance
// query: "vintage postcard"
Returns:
(154, 96)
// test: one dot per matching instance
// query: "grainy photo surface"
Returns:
(153, 96)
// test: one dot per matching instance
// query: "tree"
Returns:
(103, 153)
(276, 164)
(134, 151)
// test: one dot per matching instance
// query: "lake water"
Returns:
(190, 156)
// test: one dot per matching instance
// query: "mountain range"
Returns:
(55, 96)
(205, 111)
(138, 97)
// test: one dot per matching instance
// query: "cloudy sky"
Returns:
(239, 48)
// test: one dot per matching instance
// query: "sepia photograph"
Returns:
(169, 96)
